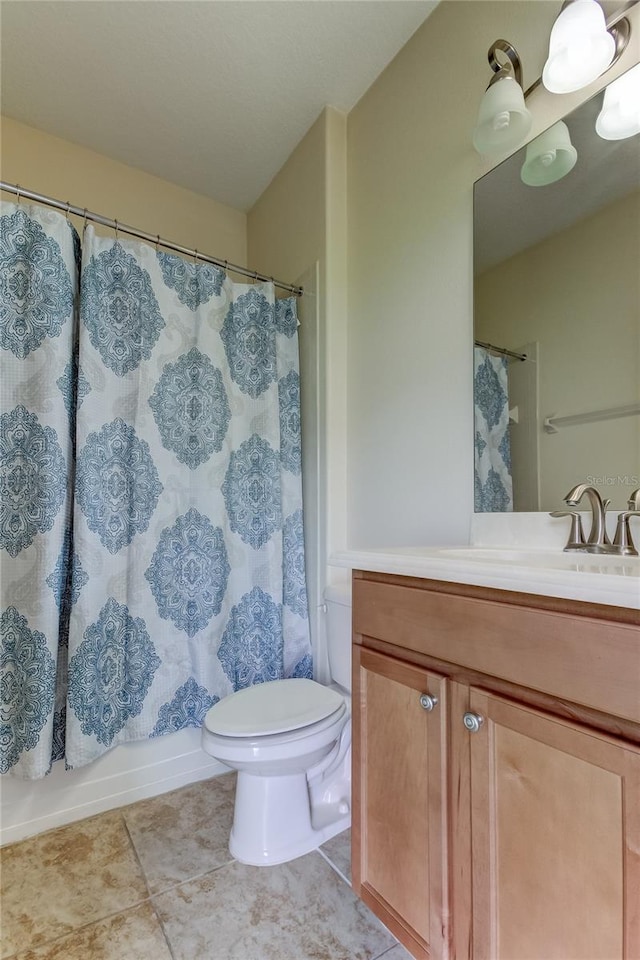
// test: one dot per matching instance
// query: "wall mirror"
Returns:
(557, 282)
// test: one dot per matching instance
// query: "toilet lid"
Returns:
(274, 707)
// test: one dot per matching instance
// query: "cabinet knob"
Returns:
(427, 702)
(473, 722)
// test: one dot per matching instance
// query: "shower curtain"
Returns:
(493, 487)
(152, 552)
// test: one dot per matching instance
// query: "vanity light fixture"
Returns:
(620, 114)
(550, 157)
(503, 119)
(581, 47)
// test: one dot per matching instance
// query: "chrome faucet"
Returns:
(597, 541)
(623, 541)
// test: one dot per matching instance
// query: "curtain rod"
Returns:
(501, 350)
(85, 214)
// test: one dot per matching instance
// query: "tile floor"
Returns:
(154, 881)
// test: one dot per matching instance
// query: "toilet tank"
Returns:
(338, 600)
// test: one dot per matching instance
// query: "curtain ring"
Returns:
(18, 192)
(157, 241)
(116, 229)
(84, 220)
(195, 257)
(255, 276)
(226, 266)
(68, 208)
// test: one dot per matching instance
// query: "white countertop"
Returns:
(548, 572)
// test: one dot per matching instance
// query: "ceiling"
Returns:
(212, 95)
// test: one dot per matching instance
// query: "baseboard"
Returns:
(130, 772)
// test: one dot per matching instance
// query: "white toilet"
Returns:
(290, 741)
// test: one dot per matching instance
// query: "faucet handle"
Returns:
(634, 501)
(623, 541)
(576, 539)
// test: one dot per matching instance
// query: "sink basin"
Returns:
(547, 559)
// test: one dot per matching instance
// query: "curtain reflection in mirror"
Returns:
(493, 488)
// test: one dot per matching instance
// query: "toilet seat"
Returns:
(276, 707)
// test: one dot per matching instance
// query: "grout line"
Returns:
(176, 887)
(164, 932)
(333, 866)
(197, 876)
(149, 899)
(172, 885)
(381, 956)
(135, 854)
(77, 930)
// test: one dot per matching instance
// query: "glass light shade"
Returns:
(549, 157)
(620, 114)
(580, 49)
(503, 119)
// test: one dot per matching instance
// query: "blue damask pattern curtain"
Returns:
(38, 331)
(492, 475)
(184, 547)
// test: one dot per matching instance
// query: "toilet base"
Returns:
(272, 820)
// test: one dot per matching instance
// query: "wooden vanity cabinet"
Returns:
(518, 840)
(400, 748)
(555, 837)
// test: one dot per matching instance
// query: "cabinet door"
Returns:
(399, 827)
(555, 831)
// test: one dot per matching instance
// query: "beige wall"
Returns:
(65, 171)
(287, 225)
(585, 321)
(411, 169)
